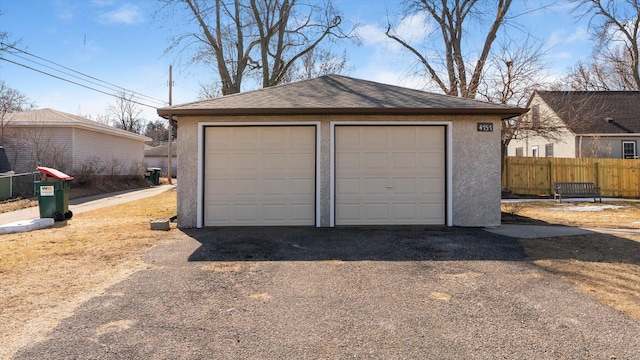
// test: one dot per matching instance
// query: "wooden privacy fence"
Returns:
(535, 176)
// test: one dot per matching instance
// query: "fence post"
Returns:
(597, 174)
(551, 177)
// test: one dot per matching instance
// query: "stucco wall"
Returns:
(188, 170)
(476, 189)
(476, 173)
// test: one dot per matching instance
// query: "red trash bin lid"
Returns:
(55, 173)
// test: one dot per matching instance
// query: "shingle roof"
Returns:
(161, 150)
(596, 112)
(336, 94)
(50, 117)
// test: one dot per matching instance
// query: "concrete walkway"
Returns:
(88, 203)
(546, 231)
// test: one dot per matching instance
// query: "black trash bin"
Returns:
(153, 173)
(53, 194)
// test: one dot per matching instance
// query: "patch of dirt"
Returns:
(604, 266)
(46, 273)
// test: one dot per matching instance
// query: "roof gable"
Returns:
(596, 112)
(50, 117)
(336, 94)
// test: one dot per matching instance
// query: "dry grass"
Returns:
(46, 273)
(77, 191)
(604, 266)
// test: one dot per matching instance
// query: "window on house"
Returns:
(628, 149)
(548, 150)
(519, 151)
(534, 151)
(535, 115)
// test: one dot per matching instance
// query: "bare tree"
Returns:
(157, 130)
(261, 37)
(126, 114)
(515, 72)
(450, 68)
(11, 101)
(318, 62)
(616, 27)
(600, 74)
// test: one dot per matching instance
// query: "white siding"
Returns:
(108, 154)
(29, 147)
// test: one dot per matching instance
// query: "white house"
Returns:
(69, 143)
(595, 124)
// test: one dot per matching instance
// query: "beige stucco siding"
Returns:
(476, 173)
(107, 154)
(475, 199)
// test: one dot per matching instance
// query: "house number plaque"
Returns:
(485, 127)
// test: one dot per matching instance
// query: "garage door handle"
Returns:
(389, 186)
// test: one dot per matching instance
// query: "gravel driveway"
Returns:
(296, 293)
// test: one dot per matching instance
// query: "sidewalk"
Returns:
(88, 203)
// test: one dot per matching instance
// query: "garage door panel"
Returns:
(300, 161)
(404, 212)
(301, 186)
(375, 136)
(349, 212)
(376, 212)
(390, 175)
(258, 177)
(404, 186)
(375, 161)
(347, 187)
(404, 160)
(244, 137)
(273, 161)
(348, 160)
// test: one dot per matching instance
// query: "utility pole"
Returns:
(170, 126)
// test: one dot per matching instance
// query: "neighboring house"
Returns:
(589, 124)
(158, 156)
(70, 143)
(339, 151)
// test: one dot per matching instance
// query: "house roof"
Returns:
(596, 112)
(55, 118)
(161, 150)
(338, 95)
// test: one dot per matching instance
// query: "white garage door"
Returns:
(259, 175)
(390, 175)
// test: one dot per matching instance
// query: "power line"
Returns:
(111, 86)
(75, 83)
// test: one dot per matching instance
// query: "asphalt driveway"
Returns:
(296, 293)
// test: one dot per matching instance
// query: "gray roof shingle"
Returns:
(50, 117)
(596, 112)
(336, 94)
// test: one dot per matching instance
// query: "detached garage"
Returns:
(336, 151)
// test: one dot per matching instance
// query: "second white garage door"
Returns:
(390, 175)
(259, 175)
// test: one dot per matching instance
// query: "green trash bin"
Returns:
(154, 175)
(53, 194)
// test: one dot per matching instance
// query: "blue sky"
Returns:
(120, 41)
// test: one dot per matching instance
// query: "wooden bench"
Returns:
(576, 189)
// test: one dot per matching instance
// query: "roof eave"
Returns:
(504, 112)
